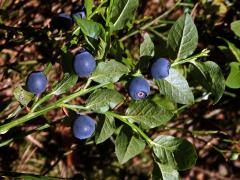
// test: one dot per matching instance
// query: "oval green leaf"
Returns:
(147, 46)
(233, 79)
(105, 129)
(164, 172)
(176, 88)
(127, 145)
(175, 153)
(121, 11)
(109, 71)
(235, 27)
(148, 114)
(183, 37)
(90, 28)
(103, 99)
(22, 96)
(212, 78)
(68, 81)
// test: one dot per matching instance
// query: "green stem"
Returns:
(20, 136)
(4, 128)
(30, 62)
(48, 68)
(38, 103)
(158, 34)
(133, 126)
(151, 22)
(87, 83)
(97, 9)
(129, 35)
(186, 4)
(161, 16)
(188, 105)
(177, 62)
(45, 98)
(74, 107)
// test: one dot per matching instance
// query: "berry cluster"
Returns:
(139, 87)
(84, 64)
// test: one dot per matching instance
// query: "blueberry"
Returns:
(79, 12)
(62, 21)
(84, 63)
(138, 88)
(83, 126)
(36, 82)
(160, 68)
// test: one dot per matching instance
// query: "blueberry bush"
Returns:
(126, 91)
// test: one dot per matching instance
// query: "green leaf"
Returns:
(90, 28)
(88, 4)
(163, 172)
(176, 88)
(109, 71)
(233, 79)
(235, 27)
(127, 145)
(103, 99)
(22, 96)
(148, 113)
(234, 156)
(234, 49)
(101, 49)
(183, 37)
(147, 46)
(103, 46)
(121, 11)
(68, 81)
(146, 53)
(175, 153)
(213, 79)
(105, 129)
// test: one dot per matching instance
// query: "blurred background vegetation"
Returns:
(27, 43)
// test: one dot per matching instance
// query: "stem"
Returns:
(151, 22)
(161, 16)
(38, 103)
(87, 83)
(4, 128)
(48, 68)
(97, 9)
(20, 136)
(74, 107)
(158, 34)
(186, 4)
(129, 35)
(28, 62)
(45, 98)
(204, 53)
(188, 105)
(133, 126)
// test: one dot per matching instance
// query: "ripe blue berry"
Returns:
(160, 68)
(79, 11)
(83, 127)
(37, 82)
(84, 63)
(62, 21)
(138, 88)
